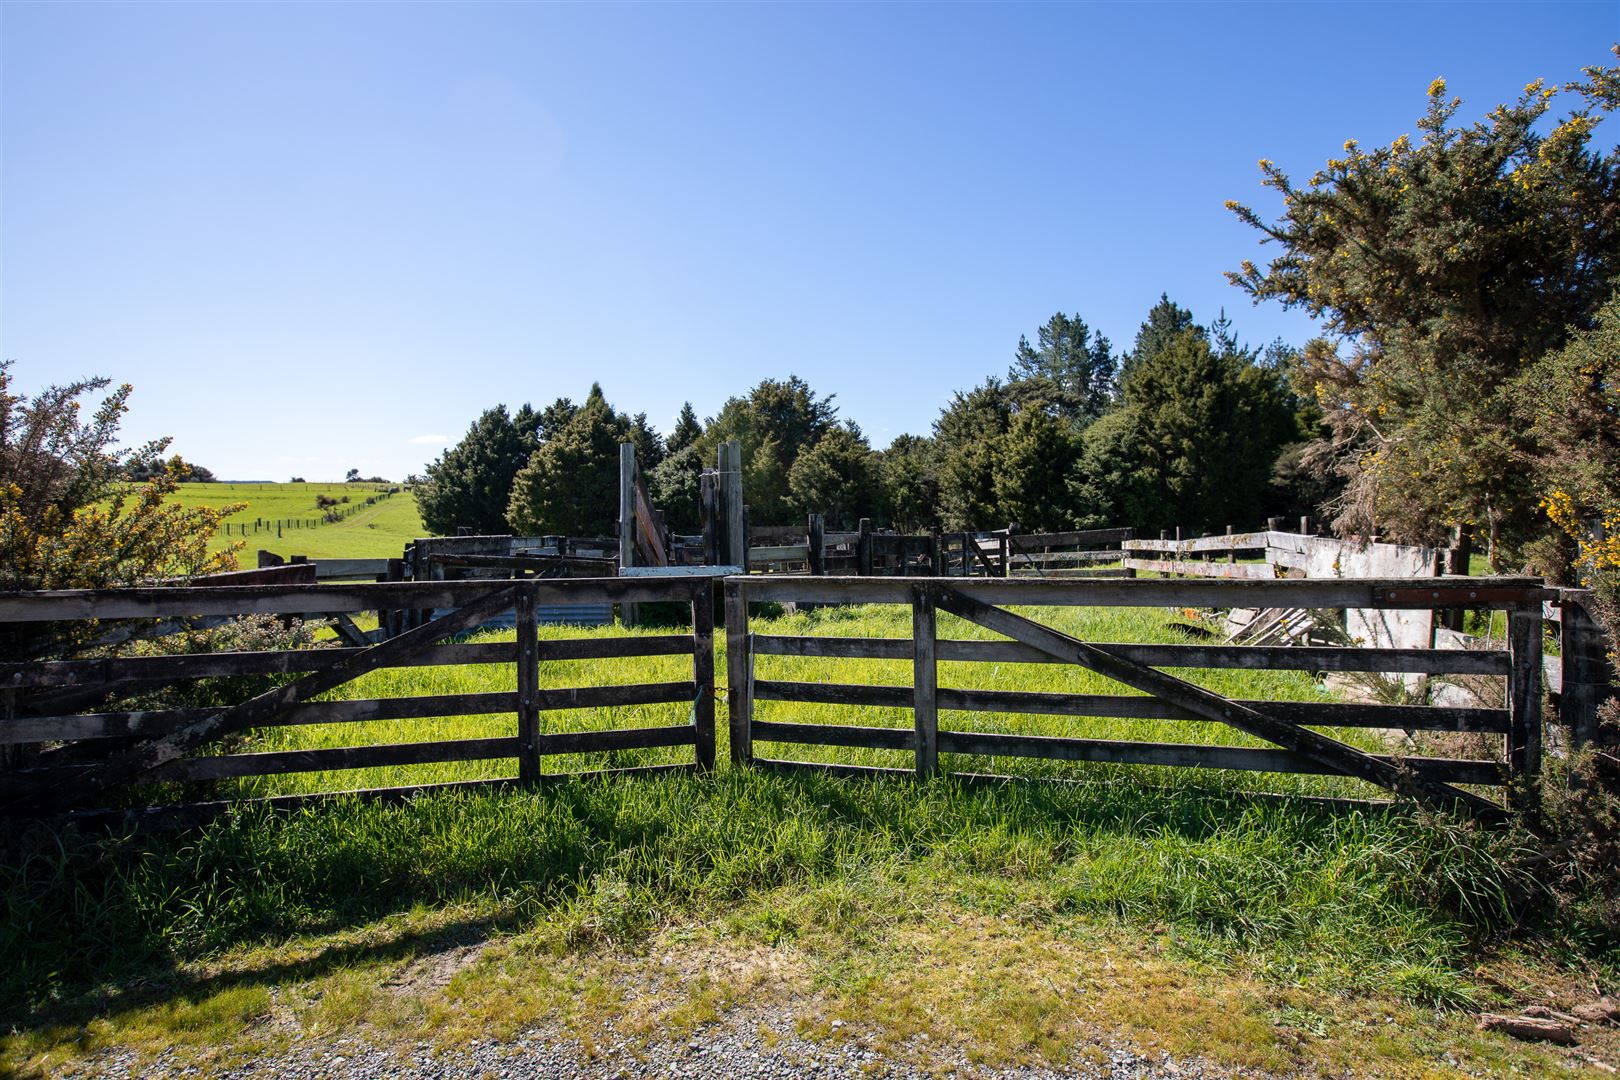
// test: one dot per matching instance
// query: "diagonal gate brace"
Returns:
(1319, 748)
(254, 712)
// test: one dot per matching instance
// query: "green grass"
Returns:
(1188, 912)
(374, 532)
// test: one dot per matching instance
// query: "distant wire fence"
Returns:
(330, 511)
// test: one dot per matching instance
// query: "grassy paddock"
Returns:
(1175, 907)
(375, 532)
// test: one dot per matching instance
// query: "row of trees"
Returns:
(1452, 276)
(1185, 428)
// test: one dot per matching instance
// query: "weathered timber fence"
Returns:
(869, 552)
(1271, 553)
(1289, 726)
(75, 760)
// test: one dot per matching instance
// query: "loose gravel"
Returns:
(756, 1045)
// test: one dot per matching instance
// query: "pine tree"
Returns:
(967, 442)
(837, 478)
(910, 486)
(1069, 372)
(1037, 457)
(1165, 322)
(570, 485)
(686, 431)
(470, 484)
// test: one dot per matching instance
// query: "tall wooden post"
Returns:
(528, 686)
(925, 680)
(1584, 663)
(863, 548)
(703, 672)
(936, 553)
(1524, 692)
(627, 520)
(739, 675)
(1231, 553)
(731, 486)
(816, 545)
(709, 513)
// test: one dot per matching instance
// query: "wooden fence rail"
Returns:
(1289, 726)
(74, 757)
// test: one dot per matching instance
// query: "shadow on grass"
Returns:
(96, 924)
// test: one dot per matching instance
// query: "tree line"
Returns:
(1187, 427)
(1465, 284)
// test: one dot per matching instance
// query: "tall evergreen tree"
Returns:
(967, 445)
(1192, 444)
(775, 423)
(570, 485)
(470, 484)
(837, 478)
(1166, 321)
(649, 444)
(1069, 371)
(686, 431)
(1036, 460)
(910, 485)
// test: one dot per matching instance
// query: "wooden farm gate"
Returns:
(73, 758)
(1297, 747)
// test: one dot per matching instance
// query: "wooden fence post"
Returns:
(863, 548)
(1524, 692)
(925, 680)
(528, 686)
(703, 672)
(739, 674)
(731, 486)
(627, 520)
(816, 545)
(1584, 665)
(936, 553)
(709, 515)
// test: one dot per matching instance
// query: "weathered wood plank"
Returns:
(274, 763)
(528, 687)
(291, 661)
(1247, 759)
(1524, 693)
(871, 738)
(1165, 592)
(256, 711)
(150, 603)
(739, 672)
(703, 676)
(778, 553)
(1034, 541)
(1319, 748)
(553, 699)
(1248, 541)
(115, 725)
(1246, 657)
(1313, 713)
(1248, 571)
(1585, 678)
(590, 742)
(925, 683)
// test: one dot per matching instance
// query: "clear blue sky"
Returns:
(318, 236)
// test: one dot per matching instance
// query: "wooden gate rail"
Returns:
(159, 745)
(1296, 748)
